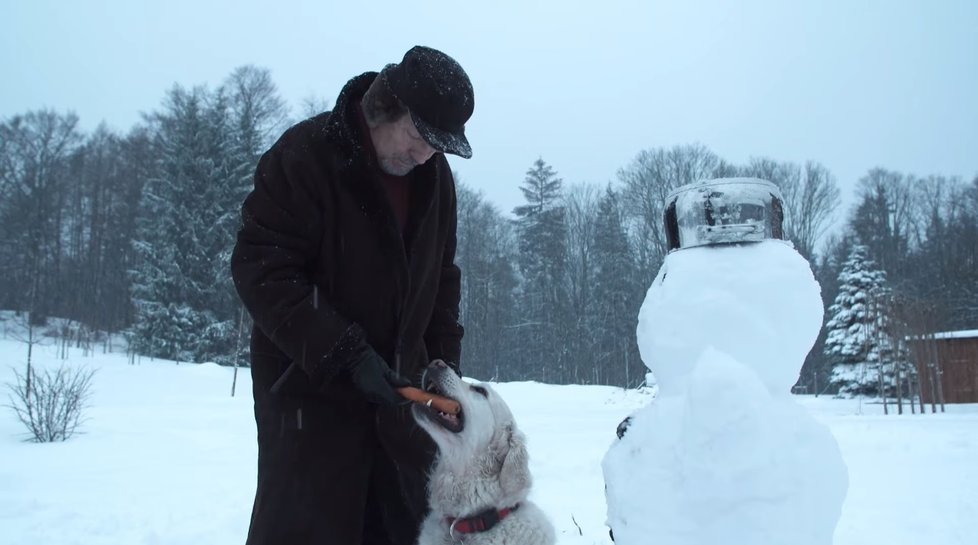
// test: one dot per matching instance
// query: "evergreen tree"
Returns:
(617, 298)
(184, 301)
(816, 371)
(858, 341)
(542, 233)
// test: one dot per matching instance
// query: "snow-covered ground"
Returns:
(167, 456)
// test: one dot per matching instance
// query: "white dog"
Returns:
(480, 479)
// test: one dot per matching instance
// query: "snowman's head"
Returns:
(757, 302)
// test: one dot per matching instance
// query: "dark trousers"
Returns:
(338, 472)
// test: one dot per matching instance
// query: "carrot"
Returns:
(440, 403)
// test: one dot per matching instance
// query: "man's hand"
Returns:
(375, 379)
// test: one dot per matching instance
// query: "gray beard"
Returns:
(395, 168)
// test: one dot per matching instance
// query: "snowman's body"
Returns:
(723, 455)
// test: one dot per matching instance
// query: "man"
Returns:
(345, 260)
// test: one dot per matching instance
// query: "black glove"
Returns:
(374, 378)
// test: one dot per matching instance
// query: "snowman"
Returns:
(723, 454)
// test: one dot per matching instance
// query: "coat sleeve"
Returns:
(279, 239)
(443, 337)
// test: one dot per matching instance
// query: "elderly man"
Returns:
(345, 261)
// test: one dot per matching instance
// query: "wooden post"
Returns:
(880, 334)
(879, 368)
(908, 374)
(920, 389)
(940, 383)
(237, 350)
(899, 385)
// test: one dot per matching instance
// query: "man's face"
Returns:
(399, 146)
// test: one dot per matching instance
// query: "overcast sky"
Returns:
(585, 85)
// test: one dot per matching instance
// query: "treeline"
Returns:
(554, 293)
(132, 233)
(904, 267)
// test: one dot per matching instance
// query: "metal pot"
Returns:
(723, 211)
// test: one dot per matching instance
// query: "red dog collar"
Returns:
(480, 522)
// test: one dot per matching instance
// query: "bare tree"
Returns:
(486, 254)
(582, 208)
(884, 220)
(581, 202)
(648, 180)
(313, 105)
(811, 197)
(36, 149)
(820, 198)
(258, 112)
(49, 404)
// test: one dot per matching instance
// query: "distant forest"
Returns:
(132, 233)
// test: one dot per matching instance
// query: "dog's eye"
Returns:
(481, 391)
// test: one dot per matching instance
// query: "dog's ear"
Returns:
(514, 475)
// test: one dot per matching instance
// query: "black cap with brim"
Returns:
(444, 141)
(439, 95)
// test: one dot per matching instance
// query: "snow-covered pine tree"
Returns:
(858, 342)
(181, 288)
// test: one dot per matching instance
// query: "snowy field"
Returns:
(167, 456)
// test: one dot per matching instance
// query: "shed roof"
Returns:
(964, 334)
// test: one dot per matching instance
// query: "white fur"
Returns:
(483, 466)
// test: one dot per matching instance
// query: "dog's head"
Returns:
(482, 439)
